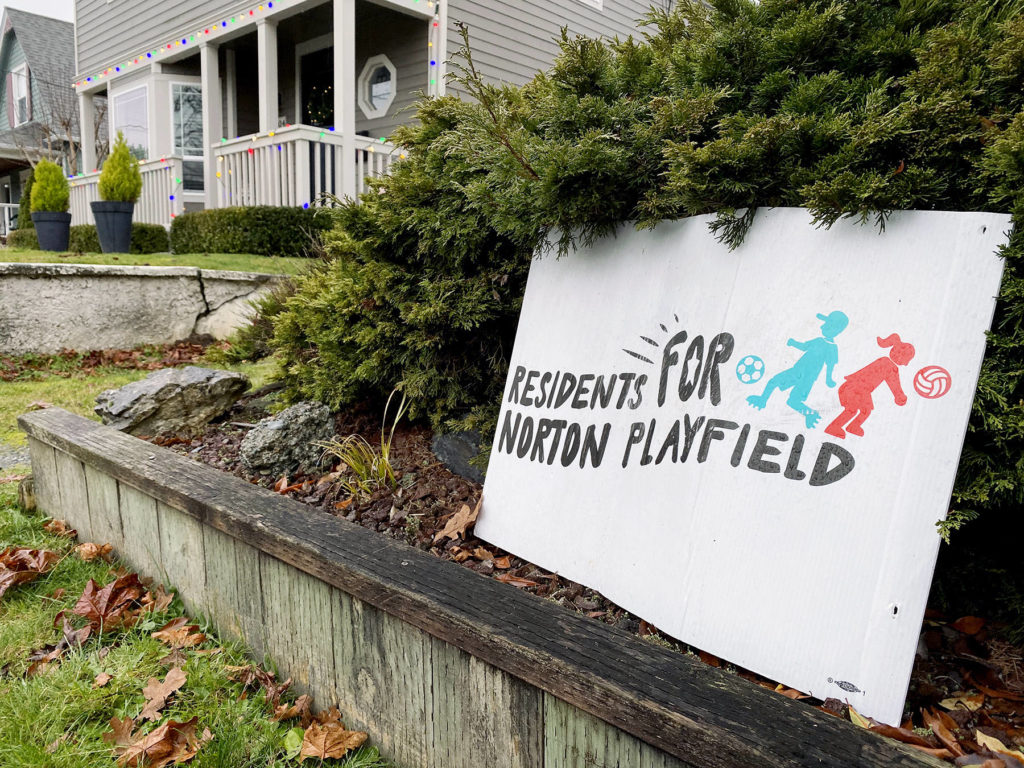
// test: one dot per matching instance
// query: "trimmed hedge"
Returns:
(261, 230)
(146, 238)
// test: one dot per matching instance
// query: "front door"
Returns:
(317, 95)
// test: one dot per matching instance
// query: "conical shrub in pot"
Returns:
(120, 186)
(50, 201)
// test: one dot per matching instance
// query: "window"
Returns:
(377, 86)
(20, 92)
(131, 117)
(187, 116)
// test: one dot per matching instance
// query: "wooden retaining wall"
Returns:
(442, 666)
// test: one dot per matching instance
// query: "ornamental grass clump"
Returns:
(120, 179)
(850, 109)
(50, 190)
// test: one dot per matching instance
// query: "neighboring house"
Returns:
(277, 102)
(38, 114)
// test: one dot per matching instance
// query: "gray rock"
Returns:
(455, 449)
(171, 400)
(287, 442)
(13, 457)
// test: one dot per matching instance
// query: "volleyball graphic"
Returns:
(750, 369)
(932, 381)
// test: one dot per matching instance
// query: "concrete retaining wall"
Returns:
(45, 308)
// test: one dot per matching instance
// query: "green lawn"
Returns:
(57, 718)
(77, 392)
(284, 265)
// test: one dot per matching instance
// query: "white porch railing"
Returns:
(159, 202)
(293, 166)
(10, 216)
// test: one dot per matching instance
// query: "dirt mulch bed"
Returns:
(966, 697)
(70, 362)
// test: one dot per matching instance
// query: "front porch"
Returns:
(263, 108)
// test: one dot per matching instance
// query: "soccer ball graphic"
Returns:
(932, 381)
(750, 369)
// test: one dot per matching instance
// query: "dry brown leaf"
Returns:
(516, 581)
(157, 693)
(171, 742)
(994, 744)
(459, 555)
(709, 659)
(299, 709)
(941, 730)
(158, 601)
(60, 528)
(101, 679)
(941, 754)
(178, 633)
(504, 562)
(19, 565)
(89, 552)
(344, 504)
(38, 405)
(482, 554)
(174, 659)
(969, 625)
(459, 522)
(329, 741)
(115, 605)
(962, 700)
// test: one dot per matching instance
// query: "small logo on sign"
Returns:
(848, 687)
(932, 381)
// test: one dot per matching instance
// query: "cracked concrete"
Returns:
(48, 307)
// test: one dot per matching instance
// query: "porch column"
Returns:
(266, 41)
(213, 119)
(345, 90)
(230, 94)
(87, 133)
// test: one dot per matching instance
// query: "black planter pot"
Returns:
(52, 229)
(113, 225)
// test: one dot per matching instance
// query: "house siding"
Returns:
(13, 57)
(106, 31)
(511, 42)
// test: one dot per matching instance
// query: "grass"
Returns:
(284, 265)
(76, 391)
(57, 719)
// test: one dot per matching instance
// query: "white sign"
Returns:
(750, 449)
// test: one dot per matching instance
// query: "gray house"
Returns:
(38, 114)
(276, 102)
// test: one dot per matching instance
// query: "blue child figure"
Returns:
(818, 353)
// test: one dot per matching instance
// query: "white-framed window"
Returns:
(131, 117)
(377, 86)
(187, 127)
(20, 86)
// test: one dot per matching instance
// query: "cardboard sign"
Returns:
(750, 449)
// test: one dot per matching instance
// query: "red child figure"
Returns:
(855, 393)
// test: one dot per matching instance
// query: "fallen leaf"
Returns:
(941, 754)
(969, 625)
(993, 692)
(459, 555)
(301, 708)
(329, 741)
(101, 679)
(481, 553)
(858, 719)
(172, 742)
(941, 731)
(459, 522)
(157, 693)
(961, 700)
(709, 659)
(89, 551)
(791, 693)
(158, 601)
(173, 659)
(251, 674)
(60, 528)
(115, 605)
(178, 633)
(994, 744)
(70, 638)
(504, 562)
(19, 565)
(38, 405)
(344, 504)
(516, 581)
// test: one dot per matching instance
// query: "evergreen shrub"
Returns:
(146, 238)
(50, 192)
(261, 230)
(851, 109)
(120, 179)
(25, 204)
(23, 239)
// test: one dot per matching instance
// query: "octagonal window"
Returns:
(377, 86)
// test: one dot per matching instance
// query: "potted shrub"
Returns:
(120, 186)
(50, 199)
